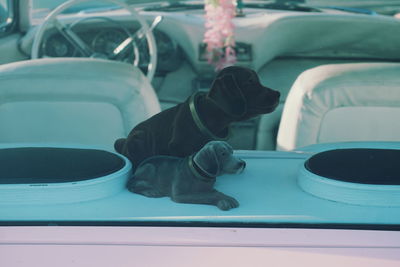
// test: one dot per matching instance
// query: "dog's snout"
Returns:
(241, 165)
(274, 95)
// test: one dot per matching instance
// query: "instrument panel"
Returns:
(102, 42)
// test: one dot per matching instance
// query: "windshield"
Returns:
(51, 4)
(387, 7)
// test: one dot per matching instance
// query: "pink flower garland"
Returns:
(219, 32)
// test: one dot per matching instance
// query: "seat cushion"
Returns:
(72, 101)
(342, 102)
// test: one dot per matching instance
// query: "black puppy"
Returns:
(190, 179)
(236, 94)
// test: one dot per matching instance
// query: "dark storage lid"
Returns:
(42, 165)
(364, 166)
(360, 176)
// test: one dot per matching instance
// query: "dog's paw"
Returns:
(143, 188)
(227, 203)
(151, 193)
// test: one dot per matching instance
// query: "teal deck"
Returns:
(267, 191)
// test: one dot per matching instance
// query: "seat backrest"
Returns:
(72, 101)
(342, 102)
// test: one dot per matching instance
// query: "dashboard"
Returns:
(103, 38)
(102, 35)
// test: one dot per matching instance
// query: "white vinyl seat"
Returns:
(72, 101)
(340, 103)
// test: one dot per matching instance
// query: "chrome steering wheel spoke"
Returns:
(73, 38)
(138, 35)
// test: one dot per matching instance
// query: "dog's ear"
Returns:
(226, 93)
(207, 160)
(119, 144)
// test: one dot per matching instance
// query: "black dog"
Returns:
(236, 94)
(190, 179)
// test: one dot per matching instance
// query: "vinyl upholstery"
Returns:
(342, 102)
(75, 101)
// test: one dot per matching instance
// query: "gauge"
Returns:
(169, 53)
(106, 41)
(57, 46)
(165, 46)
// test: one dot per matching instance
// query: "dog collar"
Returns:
(198, 172)
(196, 118)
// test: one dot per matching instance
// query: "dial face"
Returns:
(106, 41)
(57, 46)
(164, 44)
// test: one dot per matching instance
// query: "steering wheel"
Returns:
(86, 50)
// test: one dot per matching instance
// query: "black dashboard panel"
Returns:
(243, 52)
(103, 40)
(57, 46)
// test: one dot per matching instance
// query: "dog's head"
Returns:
(216, 158)
(238, 91)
